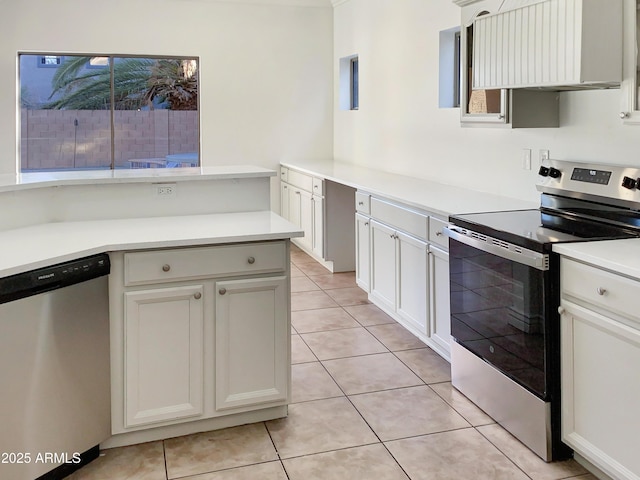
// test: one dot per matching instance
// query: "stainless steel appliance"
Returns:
(54, 375)
(504, 279)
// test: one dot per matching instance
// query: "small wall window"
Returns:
(349, 83)
(108, 112)
(449, 68)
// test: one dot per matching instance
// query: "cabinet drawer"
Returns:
(363, 202)
(318, 186)
(179, 264)
(601, 288)
(435, 232)
(284, 174)
(300, 180)
(409, 221)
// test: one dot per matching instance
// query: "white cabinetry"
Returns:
(319, 207)
(600, 357)
(495, 106)
(402, 262)
(251, 342)
(630, 106)
(164, 354)
(198, 333)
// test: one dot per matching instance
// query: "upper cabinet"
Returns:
(554, 44)
(497, 106)
(630, 108)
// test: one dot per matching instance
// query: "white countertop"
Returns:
(619, 256)
(41, 245)
(143, 175)
(442, 200)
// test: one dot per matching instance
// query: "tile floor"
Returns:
(370, 401)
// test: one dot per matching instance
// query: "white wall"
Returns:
(266, 69)
(400, 128)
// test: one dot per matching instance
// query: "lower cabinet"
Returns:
(251, 332)
(600, 355)
(399, 274)
(363, 251)
(440, 316)
(164, 354)
(198, 333)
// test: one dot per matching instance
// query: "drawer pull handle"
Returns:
(251, 260)
(439, 233)
(361, 203)
(166, 267)
(366, 224)
(197, 296)
(222, 291)
(601, 291)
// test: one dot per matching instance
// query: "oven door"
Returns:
(499, 306)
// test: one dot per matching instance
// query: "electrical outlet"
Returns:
(526, 159)
(166, 189)
(544, 155)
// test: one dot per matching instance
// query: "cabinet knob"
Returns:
(439, 233)
(222, 291)
(360, 203)
(624, 115)
(197, 295)
(298, 192)
(366, 224)
(166, 267)
(561, 310)
(500, 117)
(601, 291)
(251, 260)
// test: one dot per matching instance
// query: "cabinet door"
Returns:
(383, 265)
(601, 390)
(306, 218)
(252, 342)
(318, 223)
(284, 200)
(413, 277)
(630, 101)
(363, 251)
(439, 298)
(163, 354)
(295, 205)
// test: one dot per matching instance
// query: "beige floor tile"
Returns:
(427, 364)
(395, 337)
(461, 404)
(407, 412)
(296, 272)
(300, 353)
(299, 257)
(306, 321)
(459, 454)
(348, 296)
(359, 463)
(261, 471)
(144, 461)
(319, 426)
(370, 373)
(346, 342)
(312, 268)
(310, 381)
(311, 300)
(218, 450)
(303, 284)
(528, 461)
(368, 315)
(335, 280)
(588, 476)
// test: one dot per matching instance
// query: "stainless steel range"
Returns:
(504, 279)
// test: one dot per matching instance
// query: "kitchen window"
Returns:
(108, 112)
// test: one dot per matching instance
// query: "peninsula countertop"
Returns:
(47, 244)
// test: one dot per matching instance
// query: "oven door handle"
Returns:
(498, 247)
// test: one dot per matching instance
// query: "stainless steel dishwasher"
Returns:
(54, 368)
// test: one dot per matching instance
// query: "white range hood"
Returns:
(550, 44)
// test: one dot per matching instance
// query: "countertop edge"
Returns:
(621, 256)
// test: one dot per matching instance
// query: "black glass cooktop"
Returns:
(539, 229)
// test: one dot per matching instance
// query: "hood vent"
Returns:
(550, 45)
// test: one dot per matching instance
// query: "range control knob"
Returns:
(630, 183)
(544, 171)
(554, 172)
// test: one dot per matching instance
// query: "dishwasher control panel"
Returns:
(60, 275)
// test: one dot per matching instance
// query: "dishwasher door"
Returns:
(54, 379)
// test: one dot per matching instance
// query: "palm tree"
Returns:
(137, 83)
